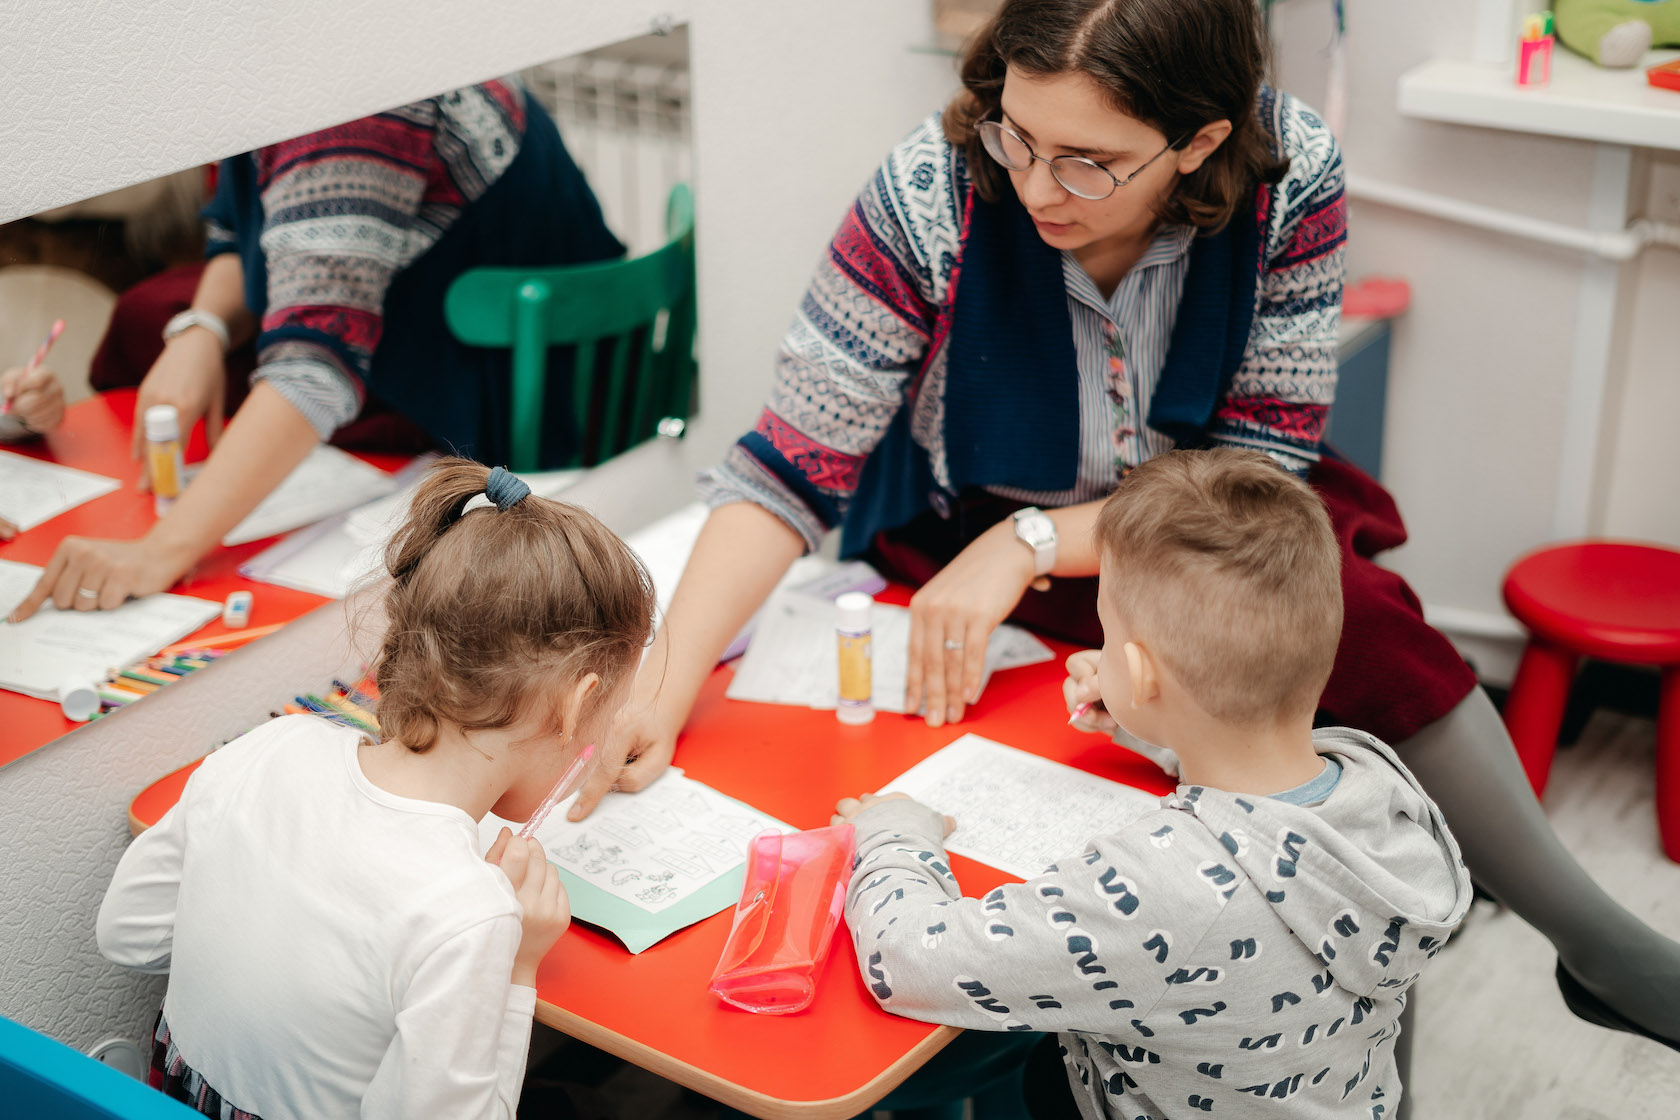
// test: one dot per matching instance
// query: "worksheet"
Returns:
(644, 865)
(32, 491)
(329, 481)
(794, 658)
(53, 646)
(1015, 811)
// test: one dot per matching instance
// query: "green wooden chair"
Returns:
(630, 322)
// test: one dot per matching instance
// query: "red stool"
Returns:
(1615, 602)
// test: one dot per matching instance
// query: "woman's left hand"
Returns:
(87, 574)
(952, 618)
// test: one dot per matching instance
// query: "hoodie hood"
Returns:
(1358, 878)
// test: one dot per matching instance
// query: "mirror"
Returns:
(355, 285)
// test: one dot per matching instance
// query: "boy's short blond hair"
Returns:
(1225, 566)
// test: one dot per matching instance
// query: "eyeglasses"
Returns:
(1080, 177)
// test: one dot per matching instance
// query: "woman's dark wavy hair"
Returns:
(1176, 65)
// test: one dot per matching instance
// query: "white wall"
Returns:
(794, 104)
(1476, 388)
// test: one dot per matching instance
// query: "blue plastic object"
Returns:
(42, 1077)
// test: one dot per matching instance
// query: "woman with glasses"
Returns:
(1116, 240)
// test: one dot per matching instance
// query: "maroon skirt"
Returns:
(1394, 672)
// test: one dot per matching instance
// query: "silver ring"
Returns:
(952, 645)
(86, 593)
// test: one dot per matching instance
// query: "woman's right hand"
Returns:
(639, 748)
(190, 374)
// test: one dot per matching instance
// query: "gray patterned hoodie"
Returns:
(1226, 954)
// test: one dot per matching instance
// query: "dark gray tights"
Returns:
(1467, 764)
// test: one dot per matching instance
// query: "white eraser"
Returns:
(236, 612)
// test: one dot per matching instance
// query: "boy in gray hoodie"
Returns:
(1246, 949)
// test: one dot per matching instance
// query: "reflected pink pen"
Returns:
(558, 793)
(40, 356)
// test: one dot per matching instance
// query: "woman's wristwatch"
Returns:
(1034, 529)
(198, 317)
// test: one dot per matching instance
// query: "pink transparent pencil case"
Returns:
(792, 898)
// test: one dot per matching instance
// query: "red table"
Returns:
(843, 1053)
(95, 437)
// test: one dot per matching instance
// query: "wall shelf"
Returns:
(1583, 102)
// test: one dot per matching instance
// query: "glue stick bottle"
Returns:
(856, 702)
(163, 454)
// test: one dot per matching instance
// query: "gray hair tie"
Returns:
(505, 488)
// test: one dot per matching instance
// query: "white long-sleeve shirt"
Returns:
(334, 950)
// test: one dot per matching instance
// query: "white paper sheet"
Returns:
(329, 481)
(32, 491)
(53, 646)
(338, 555)
(651, 849)
(1015, 811)
(793, 658)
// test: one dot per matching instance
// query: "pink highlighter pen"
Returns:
(558, 793)
(1082, 709)
(40, 356)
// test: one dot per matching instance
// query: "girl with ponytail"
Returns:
(336, 943)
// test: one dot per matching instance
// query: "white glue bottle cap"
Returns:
(79, 699)
(853, 610)
(163, 423)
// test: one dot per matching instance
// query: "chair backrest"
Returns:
(40, 1076)
(630, 323)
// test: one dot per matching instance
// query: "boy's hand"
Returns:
(536, 882)
(36, 397)
(1081, 687)
(849, 807)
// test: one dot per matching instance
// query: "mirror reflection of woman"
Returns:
(333, 252)
(1115, 241)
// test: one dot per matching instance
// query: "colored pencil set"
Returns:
(171, 664)
(346, 705)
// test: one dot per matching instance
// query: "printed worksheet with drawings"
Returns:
(1015, 811)
(655, 848)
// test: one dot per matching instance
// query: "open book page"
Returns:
(32, 491)
(54, 646)
(793, 658)
(653, 849)
(1015, 811)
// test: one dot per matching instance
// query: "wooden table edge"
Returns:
(737, 1096)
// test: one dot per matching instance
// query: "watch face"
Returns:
(1036, 529)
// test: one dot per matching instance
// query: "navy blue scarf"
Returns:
(1012, 381)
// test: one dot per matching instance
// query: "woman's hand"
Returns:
(1081, 688)
(36, 397)
(547, 909)
(190, 374)
(952, 618)
(640, 746)
(87, 574)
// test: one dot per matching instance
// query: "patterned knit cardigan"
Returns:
(869, 349)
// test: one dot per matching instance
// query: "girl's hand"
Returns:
(953, 616)
(1081, 687)
(87, 574)
(191, 375)
(37, 397)
(547, 910)
(849, 807)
